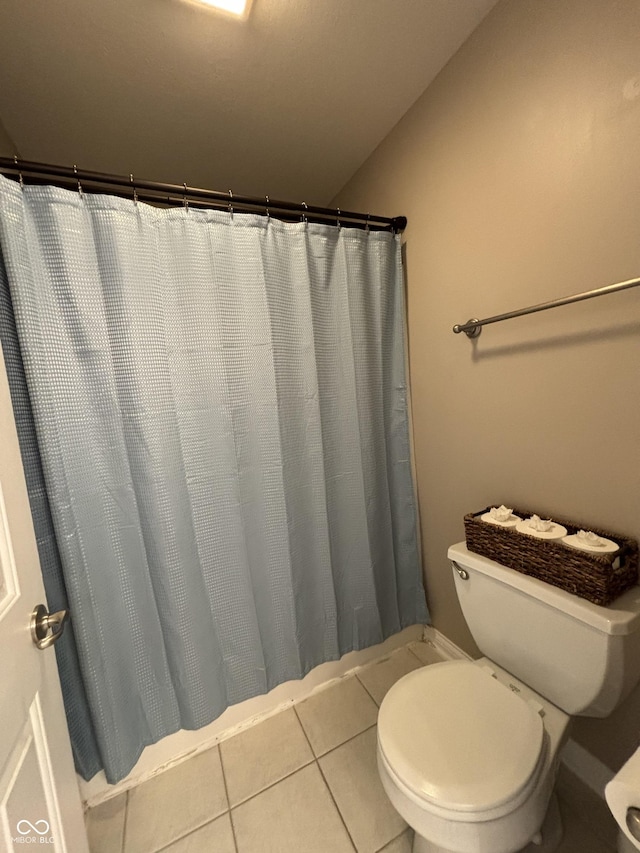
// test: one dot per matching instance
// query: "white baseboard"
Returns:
(444, 646)
(586, 767)
(183, 744)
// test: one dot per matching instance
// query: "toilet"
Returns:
(468, 751)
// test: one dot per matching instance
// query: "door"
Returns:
(39, 796)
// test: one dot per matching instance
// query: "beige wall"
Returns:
(519, 172)
(7, 148)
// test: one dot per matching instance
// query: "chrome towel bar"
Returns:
(473, 327)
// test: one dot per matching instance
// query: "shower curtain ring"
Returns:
(20, 178)
(338, 223)
(304, 215)
(230, 202)
(184, 199)
(80, 190)
(135, 191)
(267, 207)
(368, 218)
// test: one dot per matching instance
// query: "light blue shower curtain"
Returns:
(220, 406)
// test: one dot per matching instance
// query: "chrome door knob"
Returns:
(47, 627)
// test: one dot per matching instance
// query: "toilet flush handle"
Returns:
(464, 574)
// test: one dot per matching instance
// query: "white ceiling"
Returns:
(288, 104)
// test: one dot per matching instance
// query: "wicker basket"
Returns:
(599, 578)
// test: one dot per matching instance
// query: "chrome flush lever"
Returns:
(464, 574)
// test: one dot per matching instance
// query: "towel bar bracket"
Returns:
(471, 328)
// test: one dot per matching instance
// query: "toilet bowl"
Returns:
(467, 756)
(468, 751)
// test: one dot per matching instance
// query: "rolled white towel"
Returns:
(541, 528)
(587, 540)
(502, 516)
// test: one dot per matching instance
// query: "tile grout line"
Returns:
(226, 793)
(419, 659)
(272, 784)
(395, 838)
(348, 740)
(233, 830)
(313, 759)
(230, 810)
(187, 834)
(333, 800)
(369, 694)
(124, 822)
(327, 786)
(411, 652)
(206, 822)
(304, 732)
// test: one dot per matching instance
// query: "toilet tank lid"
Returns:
(620, 617)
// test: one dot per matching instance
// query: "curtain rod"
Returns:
(473, 327)
(181, 194)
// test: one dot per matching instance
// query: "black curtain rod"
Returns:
(173, 195)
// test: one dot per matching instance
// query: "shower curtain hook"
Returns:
(231, 203)
(184, 199)
(367, 226)
(20, 178)
(135, 191)
(338, 223)
(304, 215)
(267, 208)
(80, 190)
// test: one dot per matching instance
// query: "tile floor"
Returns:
(302, 781)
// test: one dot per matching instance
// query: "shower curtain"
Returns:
(213, 421)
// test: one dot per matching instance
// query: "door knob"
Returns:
(47, 627)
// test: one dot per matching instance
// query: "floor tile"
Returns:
(105, 825)
(379, 677)
(590, 809)
(426, 653)
(175, 802)
(264, 754)
(336, 714)
(577, 836)
(282, 803)
(402, 844)
(295, 816)
(352, 775)
(215, 837)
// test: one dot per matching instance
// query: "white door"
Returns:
(39, 796)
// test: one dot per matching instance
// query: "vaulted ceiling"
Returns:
(289, 103)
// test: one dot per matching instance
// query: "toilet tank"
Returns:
(582, 657)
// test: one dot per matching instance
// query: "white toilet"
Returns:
(468, 750)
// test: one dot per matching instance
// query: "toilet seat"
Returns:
(459, 742)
